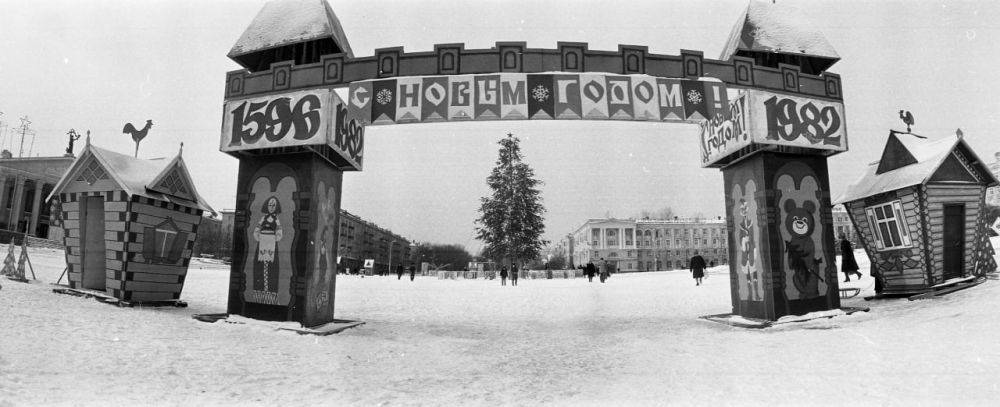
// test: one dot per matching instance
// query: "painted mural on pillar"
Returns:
(270, 232)
(801, 231)
(745, 211)
(325, 262)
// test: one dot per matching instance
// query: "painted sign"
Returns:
(288, 119)
(797, 121)
(722, 135)
(518, 96)
(301, 118)
(759, 117)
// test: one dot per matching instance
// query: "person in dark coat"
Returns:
(503, 275)
(590, 269)
(399, 272)
(847, 263)
(697, 265)
(513, 274)
(413, 271)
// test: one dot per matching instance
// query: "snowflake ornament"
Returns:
(383, 97)
(540, 93)
(694, 96)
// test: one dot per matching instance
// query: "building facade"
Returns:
(24, 185)
(842, 225)
(647, 244)
(361, 240)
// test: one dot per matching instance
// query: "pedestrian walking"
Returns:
(513, 274)
(503, 275)
(399, 272)
(697, 265)
(590, 269)
(413, 271)
(847, 263)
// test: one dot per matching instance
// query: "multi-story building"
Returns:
(25, 183)
(649, 244)
(361, 240)
(993, 193)
(842, 225)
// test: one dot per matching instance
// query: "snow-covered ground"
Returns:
(636, 340)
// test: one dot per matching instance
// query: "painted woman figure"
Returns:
(268, 234)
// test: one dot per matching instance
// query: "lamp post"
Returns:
(390, 255)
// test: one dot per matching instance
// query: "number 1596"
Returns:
(275, 119)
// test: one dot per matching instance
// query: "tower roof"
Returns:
(780, 29)
(285, 22)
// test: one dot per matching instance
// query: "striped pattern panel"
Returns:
(152, 279)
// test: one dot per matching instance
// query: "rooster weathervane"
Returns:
(907, 119)
(137, 135)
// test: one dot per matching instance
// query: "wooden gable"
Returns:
(953, 170)
(174, 181)
(895, 155)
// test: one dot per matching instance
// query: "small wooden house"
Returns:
(919, 212)
(129, 224)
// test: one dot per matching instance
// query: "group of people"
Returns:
(603, 270)
(513, 274)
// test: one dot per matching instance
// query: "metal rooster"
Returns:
(137, 135)
(907, 118)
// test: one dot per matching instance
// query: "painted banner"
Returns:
(797, 121)
(721, 137)
(518, 96)
(301, 118)
(760, 117)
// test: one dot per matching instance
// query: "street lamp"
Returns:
(390, 254)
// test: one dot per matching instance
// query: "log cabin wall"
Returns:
(902, 270)
(936, 196)
(155, 270)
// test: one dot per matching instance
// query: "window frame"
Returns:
(882, 227)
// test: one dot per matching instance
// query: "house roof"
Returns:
(777, 28)
(283, 22)
(929, 156)
(134, 175)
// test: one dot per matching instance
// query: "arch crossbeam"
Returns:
(339, 70)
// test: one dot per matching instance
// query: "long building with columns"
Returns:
(24, 185)
(647, 244)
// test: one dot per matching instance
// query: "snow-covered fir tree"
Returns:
(511, 223)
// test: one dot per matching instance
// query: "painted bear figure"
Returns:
(801, 250)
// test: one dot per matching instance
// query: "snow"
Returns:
(777, 28)
(282, 22)
(636, 340)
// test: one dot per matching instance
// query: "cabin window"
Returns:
(889, 226)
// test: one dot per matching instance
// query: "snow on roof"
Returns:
(929, 155)
(134, 175)
(283, 22)
(777, 28)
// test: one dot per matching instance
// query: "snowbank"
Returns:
(635, 340)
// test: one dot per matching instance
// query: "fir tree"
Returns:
(511, 223)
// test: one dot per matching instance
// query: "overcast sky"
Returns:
(99, 64)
